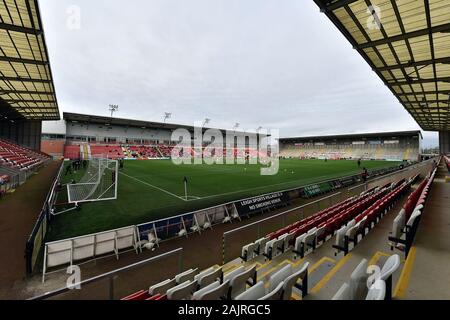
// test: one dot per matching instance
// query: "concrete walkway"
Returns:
(18, 214)
(430, 270)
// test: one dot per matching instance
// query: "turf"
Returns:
(154, 189)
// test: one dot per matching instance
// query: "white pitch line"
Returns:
(155, 187)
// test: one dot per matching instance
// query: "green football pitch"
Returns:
(154, 189)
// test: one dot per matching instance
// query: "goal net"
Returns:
(98, 183)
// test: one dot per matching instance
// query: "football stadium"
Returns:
(99, 207)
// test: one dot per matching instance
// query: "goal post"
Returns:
(99, 182)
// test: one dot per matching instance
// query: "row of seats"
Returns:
(307, 233)
(239, 284)
(360, 287)
(447, 162)
(112, 152)
(142, 152)
(358, 224)
(349, 152)
(19, 158)
(406, 222)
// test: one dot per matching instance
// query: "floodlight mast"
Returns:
(167, 115)
(205, 122)
(113, 108)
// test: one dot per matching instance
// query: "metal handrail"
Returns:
(113, 273)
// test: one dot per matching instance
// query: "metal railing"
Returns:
(121, 282)
(235, 239)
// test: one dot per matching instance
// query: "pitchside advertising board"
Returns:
(248, 206)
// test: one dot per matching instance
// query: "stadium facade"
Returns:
(404, 145)
(104, 133)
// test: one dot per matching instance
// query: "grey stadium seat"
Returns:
(292, 281)
(162, 287)
(358, 281)
(187, 275)
(390, 266)
(182, 291)
(208, 276)
(275, 294)
(253, 293)
(214, 291)
(261, 243)
(238, 283)
(377, 291)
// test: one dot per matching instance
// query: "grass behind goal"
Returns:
(153, 189)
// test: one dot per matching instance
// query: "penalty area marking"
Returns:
(158, 188)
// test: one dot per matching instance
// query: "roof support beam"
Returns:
(412, 64)
(30, 101)
(408, 35)
(24, 92)
(11, 27)
(424, 92)
(326, 7)
(25, 80)
(417, 81)
(20, 60)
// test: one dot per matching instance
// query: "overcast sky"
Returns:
(273, 63)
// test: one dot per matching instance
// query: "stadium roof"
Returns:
(108, 121)
(26, 83)
(360, 136)
(407, 43)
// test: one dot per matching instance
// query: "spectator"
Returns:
(364, 174)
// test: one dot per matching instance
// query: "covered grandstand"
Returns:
(406, 45)
(27, 97)
(27, 94)
(394, 146)
(84, 136)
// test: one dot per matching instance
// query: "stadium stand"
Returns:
(353, 215)
(404, 226)
(111, 152)
(239, 284)
(363, 217)
(142, 152)
(16, 157)
(405, 146)
(357, 286)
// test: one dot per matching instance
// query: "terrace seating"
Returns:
(239, 279)
(380, 288)
(143, 152)
(365, 220)
(137, 296)
(72, 152)
(112, 152)
(19, 158)
(404, 226)
(188, 275)
(182, 291)
(306, 234)
(258, 292)
(162, 287)
(377, 291)
(290, 279)
(274, 248)
(214, 291)
(390, 266)
(208, 276)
